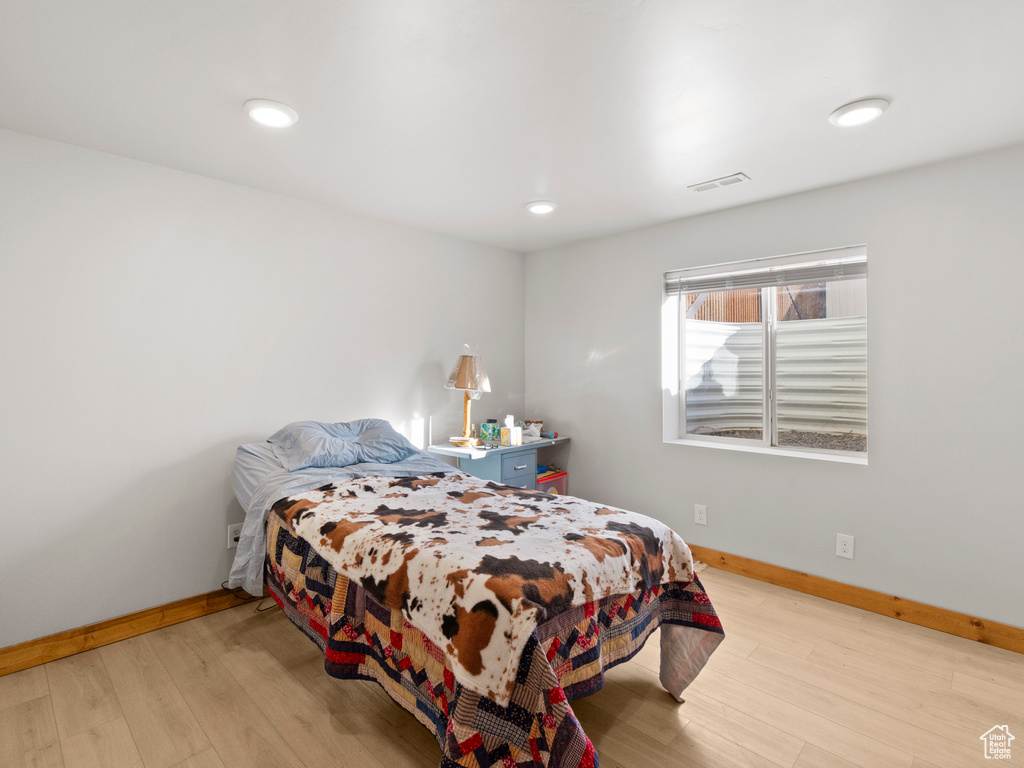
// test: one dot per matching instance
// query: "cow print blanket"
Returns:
(476, 565)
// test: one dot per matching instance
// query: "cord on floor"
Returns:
(246, 598)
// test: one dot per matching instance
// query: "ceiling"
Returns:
(450, 115)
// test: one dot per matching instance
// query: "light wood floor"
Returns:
(799, 682)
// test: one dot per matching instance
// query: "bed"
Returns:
(482, 609)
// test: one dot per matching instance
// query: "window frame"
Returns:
(674, 355)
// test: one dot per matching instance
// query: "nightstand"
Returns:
(507, 464)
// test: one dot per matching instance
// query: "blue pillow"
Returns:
(305, 444)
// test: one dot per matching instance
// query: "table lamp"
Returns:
(469, 375)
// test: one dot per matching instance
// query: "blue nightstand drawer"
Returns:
(519, 463)
(522, 480)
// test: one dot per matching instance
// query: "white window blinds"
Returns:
(821, 266)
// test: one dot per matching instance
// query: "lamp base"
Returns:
(464, 442)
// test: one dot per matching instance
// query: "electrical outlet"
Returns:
(700, 514)
(844, 545)
(234, 531)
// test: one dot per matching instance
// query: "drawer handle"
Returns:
(521, 466)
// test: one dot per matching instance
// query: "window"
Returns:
(770, 353)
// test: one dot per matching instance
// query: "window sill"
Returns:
(800, 453)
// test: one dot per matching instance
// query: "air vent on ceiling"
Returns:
(725, 181)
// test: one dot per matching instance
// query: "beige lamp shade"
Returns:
(469, 373)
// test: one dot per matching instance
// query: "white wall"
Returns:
(152, 320)
(938, 513)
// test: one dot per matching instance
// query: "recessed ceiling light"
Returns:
(541, 207)
(273, 114)
(858, 112)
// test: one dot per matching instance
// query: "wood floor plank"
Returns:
(23, 686)
(768, 632)
(1011, 695)
(288, 644)
(813, 757)
(901, 645)
(864, 751)
(981, 712)
(238, 729)
(164, 728)
(641, 680)
(856, 661)
(737, 645)
(109, 745)
(750, 733)
(863, 665)
(47, 757)
(351, 701)
(796, 604)
(207, 759)
(881, 698)
(614, 739)
(756, 589)
(362, 709)
(661, 719)
(990, 670)
(805, 625)
(224, 631)
(944, 752)
(310, 730)
(795, 616)
(28, 732)
(736, 594)
(927, 652)
(714, 748)
(83, 697)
